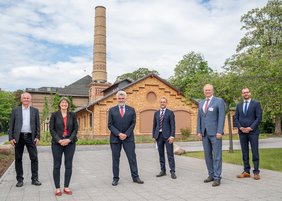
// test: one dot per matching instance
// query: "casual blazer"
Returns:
(211, 122)
(16, 123)
(57, 126)
(168, 126)
(118, 124)
(251, 119)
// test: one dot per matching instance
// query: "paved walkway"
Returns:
(3, 139)
(92, 177)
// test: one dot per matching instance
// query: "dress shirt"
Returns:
(204, 105)
(248, 103)
(26, 120)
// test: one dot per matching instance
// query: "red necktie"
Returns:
(207, 105)
(121, 111)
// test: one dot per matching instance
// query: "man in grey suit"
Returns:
(24, 130)
(121, 123)
(211, 117)
(164, 134)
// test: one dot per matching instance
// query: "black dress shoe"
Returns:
(138, 181)
(115, 182)
(19, 184)
(216, 183)
(161, 174)
(36, 183)
(209, 179)
(173, 176)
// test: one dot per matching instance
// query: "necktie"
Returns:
(207, 105)
(121, 111)
(161, 119)
(245, 108)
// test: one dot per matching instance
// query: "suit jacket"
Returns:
(118, 124)
(57, 126)
(16, 123)
(211, 122)
(251, 119)
(168, 126)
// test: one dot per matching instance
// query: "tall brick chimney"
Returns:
(99, 73)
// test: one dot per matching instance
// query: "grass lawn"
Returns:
(269, 158)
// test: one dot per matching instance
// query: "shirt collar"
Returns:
(209, 98)
(23, 108)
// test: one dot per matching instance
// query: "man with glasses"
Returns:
(247, 118)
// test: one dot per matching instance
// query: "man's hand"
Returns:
(122, 136)
(170, 140)
(36, 141)
(65, 142)
(246, 129)
(200, 137)
(218, 136)
(13, 142)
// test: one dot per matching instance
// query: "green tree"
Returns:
(227, 88)
(55, 103)
(190, 74)
(46, 111)
(137, 74)
(7, 103)
(258, 58)
(72, 106)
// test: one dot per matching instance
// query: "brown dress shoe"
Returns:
(216, 183)
(209, 179)
(243, 175)
(256, 177)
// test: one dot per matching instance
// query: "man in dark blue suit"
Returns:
(247, 118)
(164, 134)
(121, 122)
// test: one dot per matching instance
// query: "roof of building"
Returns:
(77, 88)
(130, 84)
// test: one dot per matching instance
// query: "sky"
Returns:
(50, 43)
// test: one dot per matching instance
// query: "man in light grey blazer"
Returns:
(24, 130)
(211, 117)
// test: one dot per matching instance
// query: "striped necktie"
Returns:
(161, 119)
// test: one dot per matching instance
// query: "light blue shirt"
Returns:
(26, 120)
(248, 103)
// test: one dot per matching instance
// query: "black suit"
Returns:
(168, 130)
(126, 125)
(251, 119)
(25, 139)
(57, 130)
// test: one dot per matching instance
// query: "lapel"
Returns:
(31, 115)
(21, 116)
(118, 112)
(68, 121)
(60, 117)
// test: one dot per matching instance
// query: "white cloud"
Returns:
(141, 33)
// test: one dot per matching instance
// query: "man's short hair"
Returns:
(25, 93)
(121, 93)
(163, 98)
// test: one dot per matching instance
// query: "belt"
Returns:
(24, 133)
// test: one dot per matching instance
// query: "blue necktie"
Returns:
(245, 108)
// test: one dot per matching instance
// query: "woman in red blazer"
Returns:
(63, 128)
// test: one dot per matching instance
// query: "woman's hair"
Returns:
(66, 99)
